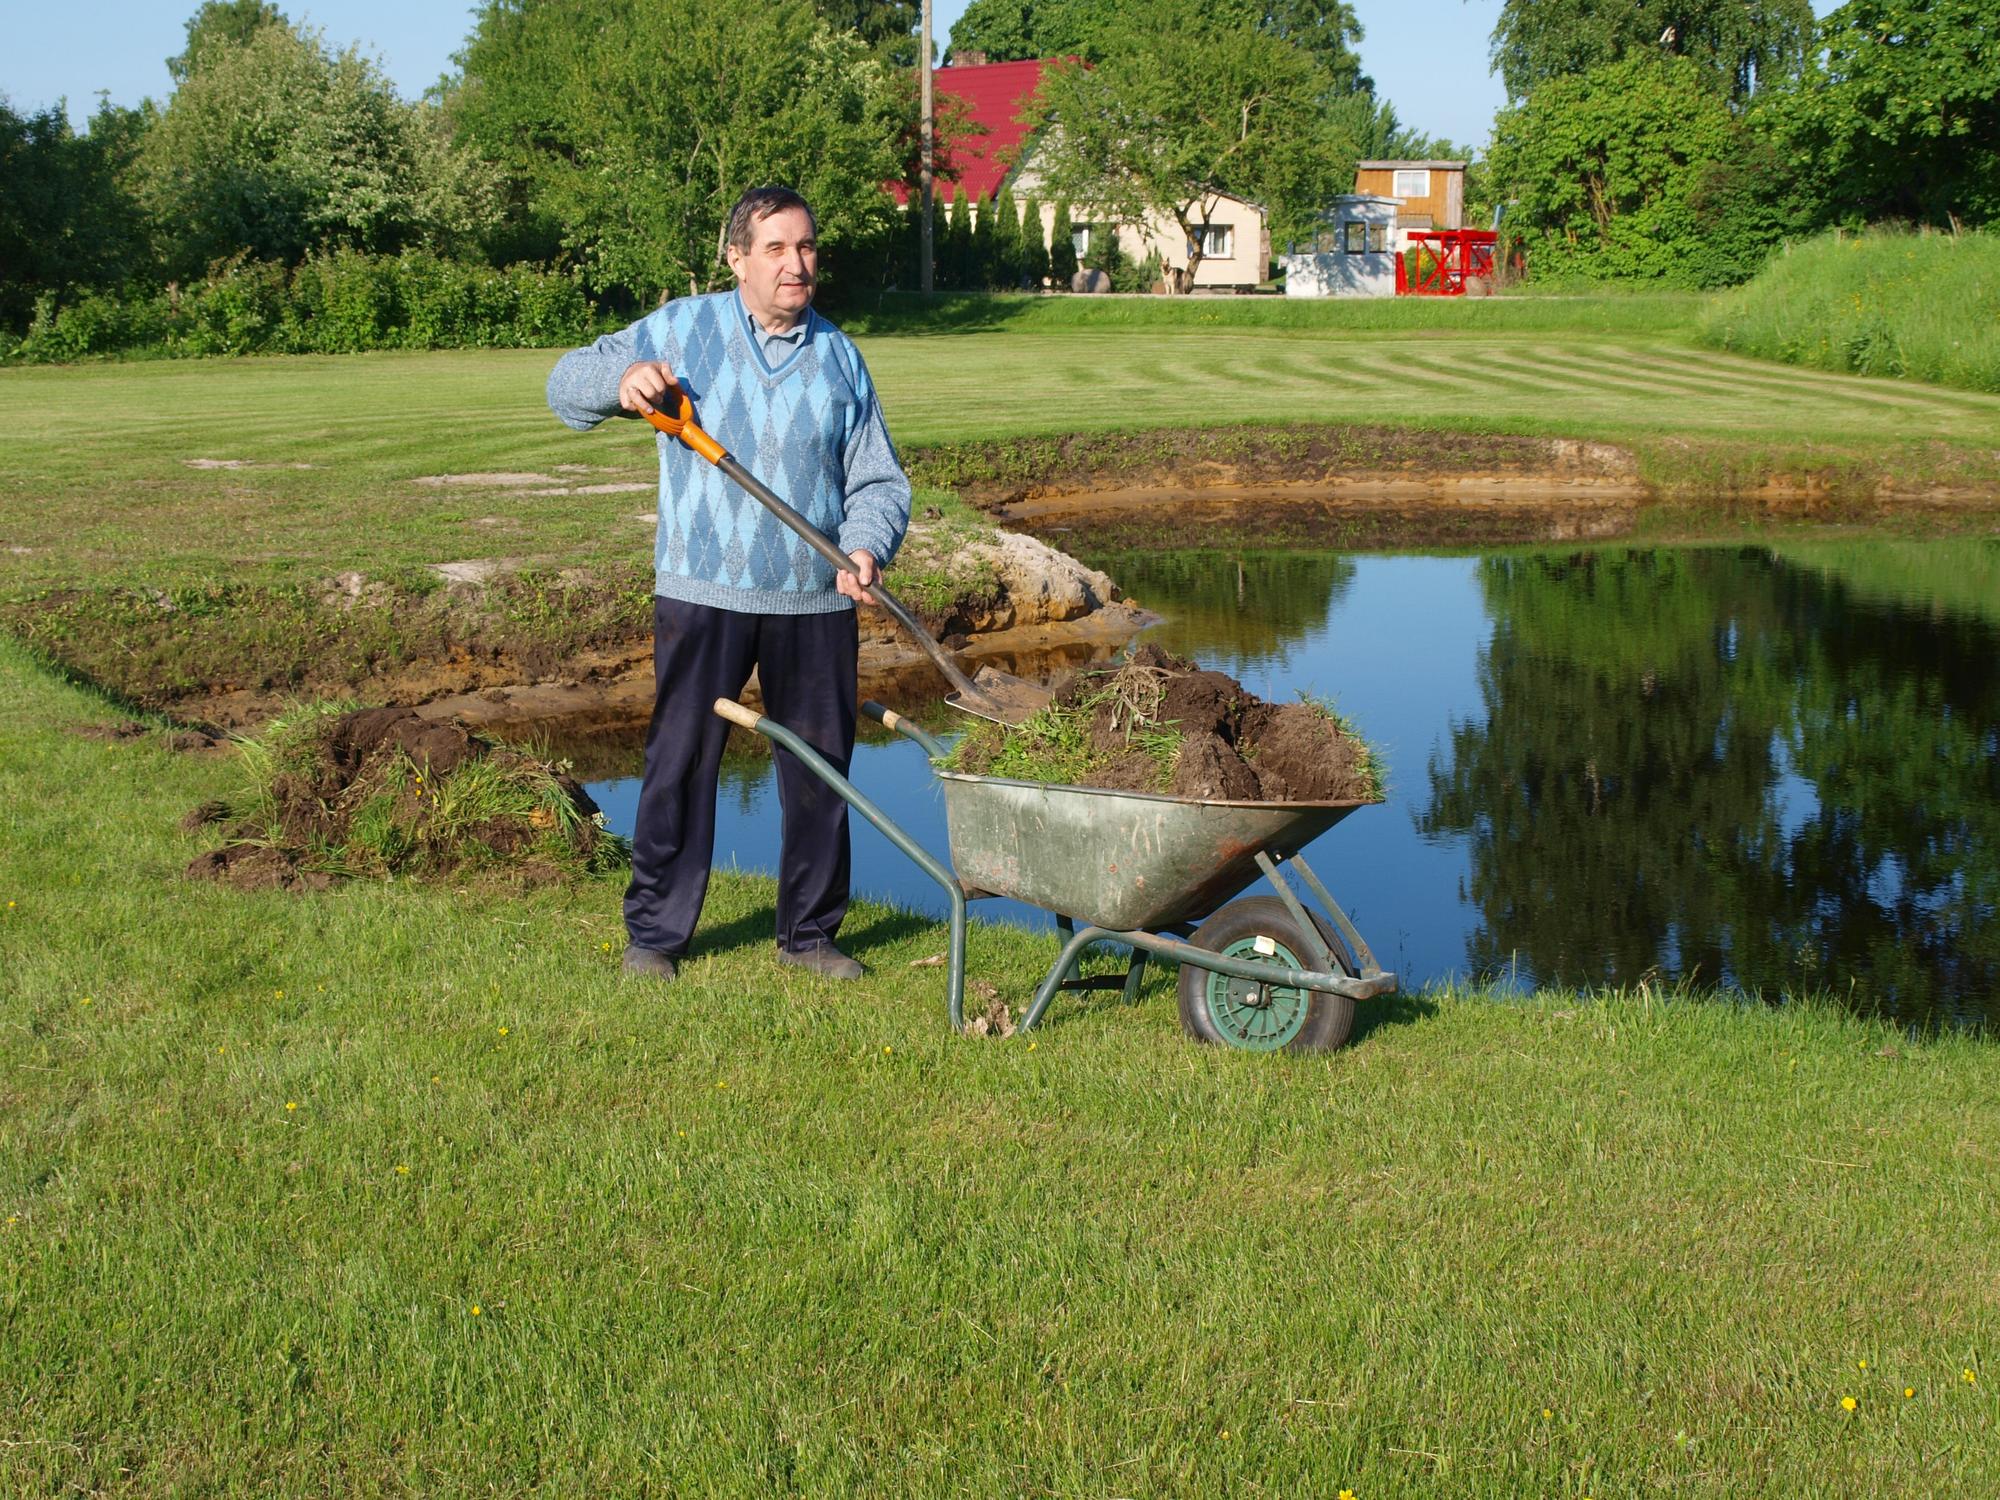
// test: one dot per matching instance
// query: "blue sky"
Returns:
(1429, 58)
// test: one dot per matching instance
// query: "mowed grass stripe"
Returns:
(1694, 381)
(1740, 371)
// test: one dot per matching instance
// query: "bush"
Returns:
(1888, 302)
(337, 302)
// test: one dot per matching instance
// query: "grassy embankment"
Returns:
(156, 576)
(397, 1189)
(1926, 307)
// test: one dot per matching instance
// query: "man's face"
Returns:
(777, 273)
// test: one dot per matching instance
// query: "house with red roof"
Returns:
(994, 97)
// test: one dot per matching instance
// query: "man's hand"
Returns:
(856, 587)
(643, 386)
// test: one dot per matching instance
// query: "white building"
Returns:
(1354, 256)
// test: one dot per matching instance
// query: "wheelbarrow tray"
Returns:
(1113, 859)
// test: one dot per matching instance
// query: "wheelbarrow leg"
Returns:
(1135, 976)
(1052, 982)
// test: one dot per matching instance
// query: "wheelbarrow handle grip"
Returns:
(737, 714)
(680, 423)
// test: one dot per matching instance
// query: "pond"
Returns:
(1760, 769)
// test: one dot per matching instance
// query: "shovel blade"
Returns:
(1003, 697)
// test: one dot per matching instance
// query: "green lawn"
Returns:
(399, 1190)
(97, 484)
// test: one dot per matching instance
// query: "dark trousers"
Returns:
(806, 665)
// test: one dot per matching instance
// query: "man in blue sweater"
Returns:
(788, 394)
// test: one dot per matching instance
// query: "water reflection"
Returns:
(1767, 769)
(1733, 766)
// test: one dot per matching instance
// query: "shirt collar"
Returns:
(764, 335)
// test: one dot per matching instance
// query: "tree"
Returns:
(1614, 176)
(274, 145)
(635, 126)
(979, 261)
(1062, 247)
(66, 219)
(1006, 267)
(1899, 113)
(1014, 30)
(1034, 245)
(958, 244)
(217, 26)
(1189, 105)
(888, 27)
(1737, 44)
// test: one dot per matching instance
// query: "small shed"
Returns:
(1432, 192)
(1353, 256)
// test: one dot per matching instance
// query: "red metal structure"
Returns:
(1439, 261)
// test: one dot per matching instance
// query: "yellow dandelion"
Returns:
(722, 1083)
(475, 1309)
(434, 1078)
(1347, 1495)
(503, 1031)
(277, 994)
(221, 1049)
(10, 906)
(401, 1170)
(1032, 1046)
(606, 947)
(1862, 1365)
(1848, 1403)
(1225, 1434)
(887, 1050)
(86, 999)
(1909, 1391)
(1546, 1413)
(291, 1104)
(1968, 1377)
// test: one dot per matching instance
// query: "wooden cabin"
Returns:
(1432, 193)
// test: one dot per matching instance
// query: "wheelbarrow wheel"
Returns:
(1260, 1017)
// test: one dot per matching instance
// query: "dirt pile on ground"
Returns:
(384, 791)
(1159, 723)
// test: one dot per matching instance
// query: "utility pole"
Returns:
(927, 257)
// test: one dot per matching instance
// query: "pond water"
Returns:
(1762, 769)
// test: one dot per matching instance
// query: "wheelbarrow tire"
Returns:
(1328, 1019)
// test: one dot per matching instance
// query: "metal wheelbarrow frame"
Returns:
(1113, 866)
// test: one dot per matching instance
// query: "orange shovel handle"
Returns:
(681, 424)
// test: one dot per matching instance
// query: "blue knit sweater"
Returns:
(811, 428)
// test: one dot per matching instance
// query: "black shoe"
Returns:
(825, 960)
(648, 963)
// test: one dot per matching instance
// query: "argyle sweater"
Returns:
(811, 428)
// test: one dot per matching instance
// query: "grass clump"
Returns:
(1886, 302)
(1056, 747)
(335, 791)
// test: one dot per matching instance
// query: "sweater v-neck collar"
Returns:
(765, 371)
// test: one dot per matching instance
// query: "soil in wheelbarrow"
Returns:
(1156, 722)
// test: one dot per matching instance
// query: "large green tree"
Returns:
(1192, 102)
(274, 145)
(1737, 45)
(1637, 170)
(1014, 30)
(634, 126)
(218, 26)
(1899, 113)
(66, 219)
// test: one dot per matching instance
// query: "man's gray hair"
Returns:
(757, 205)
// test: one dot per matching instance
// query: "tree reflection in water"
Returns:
(1728, 765)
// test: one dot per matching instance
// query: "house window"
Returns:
(1215, 241)
(1354, 237)
(1378, 238)
(1413, 182)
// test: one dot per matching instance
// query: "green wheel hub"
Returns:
(1257, 1017)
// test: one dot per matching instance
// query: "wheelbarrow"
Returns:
(1152, 873)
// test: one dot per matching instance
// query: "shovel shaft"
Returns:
(682, 425)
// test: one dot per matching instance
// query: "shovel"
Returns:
(993, 694)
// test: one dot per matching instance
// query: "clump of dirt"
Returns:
(386, 791)
(1159, 723)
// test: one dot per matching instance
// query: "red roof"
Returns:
(993, 95)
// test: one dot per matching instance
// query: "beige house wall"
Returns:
(1247, 264)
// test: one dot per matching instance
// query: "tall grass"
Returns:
(1918, 306)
